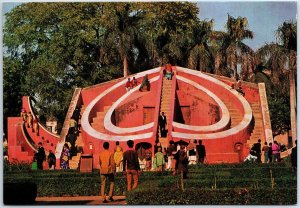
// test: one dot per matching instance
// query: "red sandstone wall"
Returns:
(203, 110)
(131, 113)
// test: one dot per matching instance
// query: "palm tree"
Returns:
(200, 54)
(232, 46)
(121, 22)
(280, 57)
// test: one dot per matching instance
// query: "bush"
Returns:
(193, 196)
(230, 176)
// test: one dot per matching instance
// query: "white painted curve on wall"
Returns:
(86, 126)
(242, 125)
(117, 130)
(224, 111)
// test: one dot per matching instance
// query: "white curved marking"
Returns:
(115, 129)
(242, 125)
(217, 126)
(86, 126)
(42, 126)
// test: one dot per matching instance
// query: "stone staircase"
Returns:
(165, 106)
(74, 162)
(235, 116)
(98, 121)
(257, 132)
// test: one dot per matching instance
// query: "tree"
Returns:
(121, 22)
(58, 47)
(167, 27)
(201, 56)
(232, 46)
(280, 58)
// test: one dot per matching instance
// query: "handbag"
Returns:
(34, 166)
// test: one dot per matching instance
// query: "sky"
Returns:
(264, 17)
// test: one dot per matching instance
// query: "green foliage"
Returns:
(51, 48)
(279, 106)
(155, 187)
(197, 196)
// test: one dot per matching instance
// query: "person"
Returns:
(165, 158)
(40, 156)
(169, 72)
(257, 149)
(159, 160)
(182, 161)
(23, 114)
(275, 152)
(191, 150)
(51, 160)
(148, 159)
(131, 165)
(145, 83)
(156, 146)
(128, 85)
(107, 171)
(65, 156)
(171, 150)
(270, 152)
(252, 155)
(201, 152)
(118, 157)
(162, 122)
(36, 125)
(265, 149)
(134, 82)
(73, 125)
(79, 123)
(29, 120)
(239, 89)
(294, 157)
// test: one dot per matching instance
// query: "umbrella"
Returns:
(181, 142)
(144, 145)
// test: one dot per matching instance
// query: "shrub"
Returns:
(192, 196)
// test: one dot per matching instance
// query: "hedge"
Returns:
(193, 196)
(72, 182)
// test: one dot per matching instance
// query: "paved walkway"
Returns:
(78, 200)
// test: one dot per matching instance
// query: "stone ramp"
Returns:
(78, 200)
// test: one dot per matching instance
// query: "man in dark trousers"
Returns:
(182, 161)
(131, 166)
(257, 149)
(201, 152)
(162, 121)
(294, 157)
(40, 156)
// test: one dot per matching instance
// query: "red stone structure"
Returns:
(197, 105)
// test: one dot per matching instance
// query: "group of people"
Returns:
(131, 84)
(128, 162)
(30, 121)
(270, 151)
(168, 72)
(109, 163)
(40, 157)
(145, 85)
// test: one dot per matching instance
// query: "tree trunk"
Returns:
(125, 67)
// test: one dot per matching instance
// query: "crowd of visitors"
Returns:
(271, 152)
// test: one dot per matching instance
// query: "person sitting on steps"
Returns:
(145, 86)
